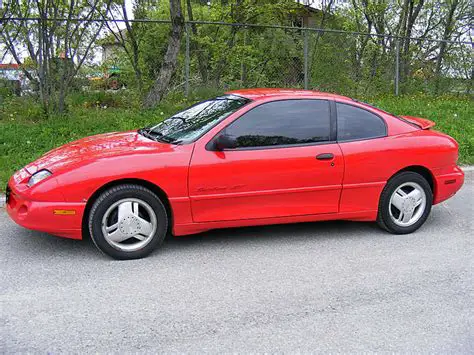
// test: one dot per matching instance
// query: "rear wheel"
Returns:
(405, 203)
(128, 222)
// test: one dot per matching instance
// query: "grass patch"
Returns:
(453, 115)
(25, 134)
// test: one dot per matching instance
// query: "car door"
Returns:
(281, 159)
(369, 156)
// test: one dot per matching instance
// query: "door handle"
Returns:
(325, 156)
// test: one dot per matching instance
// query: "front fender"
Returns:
(169, 171)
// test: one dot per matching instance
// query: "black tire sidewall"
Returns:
(384, 218)
(106, 199)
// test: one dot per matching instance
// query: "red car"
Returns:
(250, 157)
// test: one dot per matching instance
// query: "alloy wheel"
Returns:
(407, 204)
(129, 224)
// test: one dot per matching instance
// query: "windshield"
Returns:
(188, 125)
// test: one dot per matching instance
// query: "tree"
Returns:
(58, 48)
(410, 11)
(127, 38)
(449, 22)
(202, 63)
(168, 66)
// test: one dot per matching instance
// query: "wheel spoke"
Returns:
(117, 236)
(124, 210)
(400, 217)
(112, 227)
(139, 237)
(397, 201)
(145, 227)
(407, 216)
(417, 195)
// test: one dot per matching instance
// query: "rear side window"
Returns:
(283, 122)
(355, 123)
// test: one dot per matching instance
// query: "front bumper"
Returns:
(63, 219)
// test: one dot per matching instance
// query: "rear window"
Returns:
(355, 123)
(387, 113)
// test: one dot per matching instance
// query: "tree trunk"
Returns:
(411, 14)
(42, 65)
(201, 60)
(401, 32)
(324, 14)
(135, 49)
(168, 66)
(448, 29)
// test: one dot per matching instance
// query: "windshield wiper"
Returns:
(176, 118)
(145, 132)
(166, 139)
(157, 136)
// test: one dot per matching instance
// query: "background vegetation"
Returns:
(166, 54)
(359, 47)
(26, 135)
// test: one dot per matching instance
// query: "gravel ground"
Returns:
(314, 287)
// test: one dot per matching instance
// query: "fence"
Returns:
(220, 56)
(327, 60)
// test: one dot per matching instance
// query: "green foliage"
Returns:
(25, 134)
(7, 89)
(24, 108)
(225, 57)
(56, 49)
(104, 99)
(232, 56)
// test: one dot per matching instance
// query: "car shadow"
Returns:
(277, 233)
(34, 243)
(243, 239)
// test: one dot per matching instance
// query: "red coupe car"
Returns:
(249, 157)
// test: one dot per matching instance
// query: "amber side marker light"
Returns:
(64, 212)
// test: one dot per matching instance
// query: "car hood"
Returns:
(95, 148)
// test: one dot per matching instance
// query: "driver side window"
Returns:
(281, 123)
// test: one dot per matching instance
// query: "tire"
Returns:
(128, 222)
(395, 220)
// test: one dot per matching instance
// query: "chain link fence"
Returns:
(239, 56)
(222, 56)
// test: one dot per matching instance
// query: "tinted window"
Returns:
(357, 123)
(282, 123)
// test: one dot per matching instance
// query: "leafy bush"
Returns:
(101, 99)
(22, 108)
(8, 88)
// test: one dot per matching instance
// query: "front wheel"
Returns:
(405, 203)
(128, 222)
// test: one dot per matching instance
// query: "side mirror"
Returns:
(223, 141)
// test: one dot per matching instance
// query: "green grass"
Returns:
(452, 115)
(25, 134)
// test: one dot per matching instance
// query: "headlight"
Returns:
(38, 176)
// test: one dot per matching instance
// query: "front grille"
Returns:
(7, 193)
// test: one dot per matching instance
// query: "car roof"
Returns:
(264, 93)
